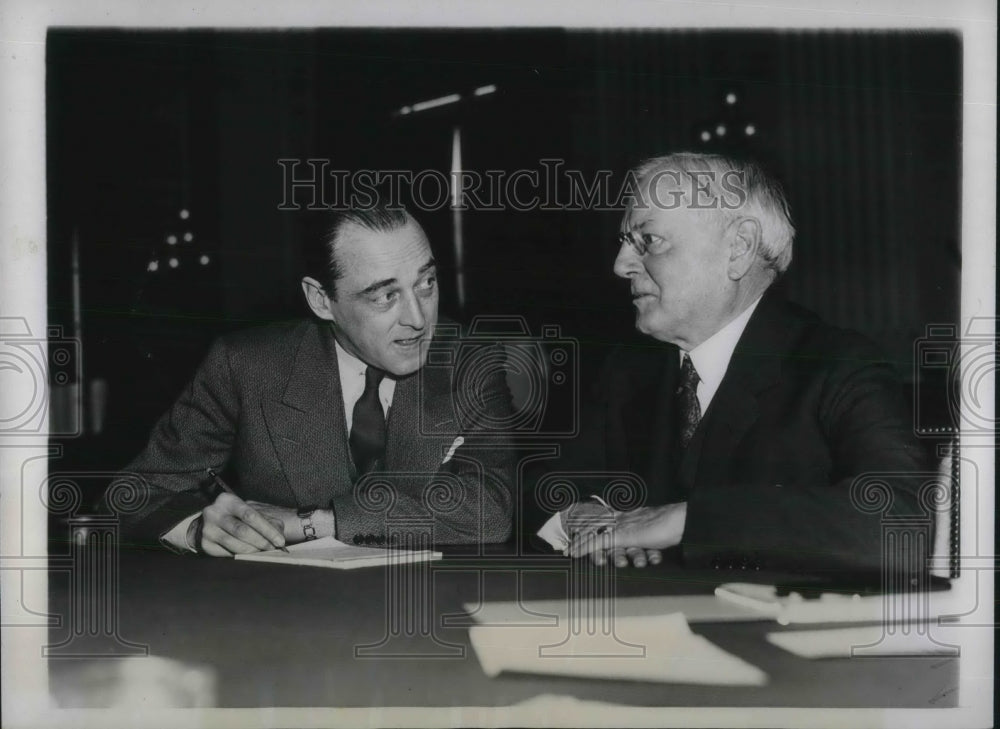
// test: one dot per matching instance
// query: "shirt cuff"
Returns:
(176, 539)
(553, 533)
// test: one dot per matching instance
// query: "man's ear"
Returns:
(743, 247)
(317, 298)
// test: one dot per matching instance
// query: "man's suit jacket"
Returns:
(803, 410)
(266, 404)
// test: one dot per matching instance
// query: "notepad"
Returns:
(658, 648)
(333, 554)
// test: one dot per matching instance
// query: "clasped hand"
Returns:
(635, 536)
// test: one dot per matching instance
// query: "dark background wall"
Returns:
(862, 127)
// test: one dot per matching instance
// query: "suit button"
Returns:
(358, 539)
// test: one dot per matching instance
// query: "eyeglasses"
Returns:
(642, 243)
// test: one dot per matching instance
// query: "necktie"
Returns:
(368, 427)
(688, 409)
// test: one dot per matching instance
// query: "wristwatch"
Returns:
(305, 516)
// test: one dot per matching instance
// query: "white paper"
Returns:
(333, 554)
(868, 639)
(658, 648)
(833, 607)
(694, 608)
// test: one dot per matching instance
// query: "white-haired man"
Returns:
(750, 423)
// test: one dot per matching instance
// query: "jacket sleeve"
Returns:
(162, 485)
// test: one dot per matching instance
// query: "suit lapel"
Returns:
(755, 366)
(422, 416)
(308, 426)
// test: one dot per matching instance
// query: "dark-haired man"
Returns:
(297, 414)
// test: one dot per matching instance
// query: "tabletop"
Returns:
(285, 636)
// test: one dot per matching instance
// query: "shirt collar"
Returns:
(352, 382)
(348, 364)
(711, 357)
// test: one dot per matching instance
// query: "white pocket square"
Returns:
(456, 444)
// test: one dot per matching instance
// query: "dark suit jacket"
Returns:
(266, 404)
(803, 410)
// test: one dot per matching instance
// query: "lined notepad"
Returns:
(334, 554)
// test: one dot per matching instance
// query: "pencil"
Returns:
(225, 487)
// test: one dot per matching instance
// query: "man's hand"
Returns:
(231, 526)
(638, 556)
(586, 516)
(635, 535)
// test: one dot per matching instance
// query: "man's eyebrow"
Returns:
(376, 286)
(431, 263)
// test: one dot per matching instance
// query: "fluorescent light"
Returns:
(483, 90)
(440, 101)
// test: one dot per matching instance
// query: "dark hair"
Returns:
(324, 232)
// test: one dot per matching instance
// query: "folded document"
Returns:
(334, 554)
(658, 648)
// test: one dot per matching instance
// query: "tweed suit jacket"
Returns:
(803, 411)
(266, 407)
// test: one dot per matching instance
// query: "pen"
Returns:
(225, 487)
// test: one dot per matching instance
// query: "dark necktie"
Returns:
(368, 427)
(688, 409)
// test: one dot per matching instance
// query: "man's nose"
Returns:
(412, 315)
(627, 263)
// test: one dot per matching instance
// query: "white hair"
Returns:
(757, 195)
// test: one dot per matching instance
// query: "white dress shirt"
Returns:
(711, 357)
(352, 386)
(710, 360)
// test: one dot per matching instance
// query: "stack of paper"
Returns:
(334, 554)
(834, 607)
(868, 640)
